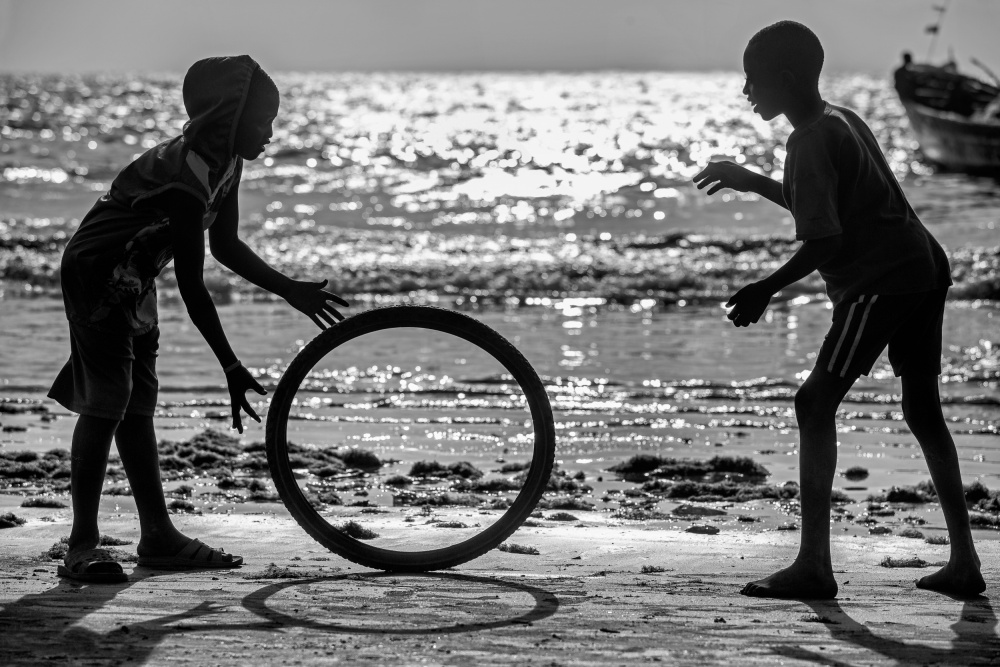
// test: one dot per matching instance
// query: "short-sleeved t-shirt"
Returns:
(837, 181)
(109, 267)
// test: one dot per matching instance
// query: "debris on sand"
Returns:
(182, 506)
(58, 550)
(695, 510)
(856, 473)
(357, 531)
(633, 513)
(511, 548)
(437, 499)
(913, 561)
(566, 503)
(702, 529)
(273, 571)
(980, 520)
(911, 532)
(43, 502)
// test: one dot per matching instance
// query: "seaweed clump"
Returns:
(357, 531)
(715, 491)
(917, 494)
(643, 466)
(461, 469)
(21, 466)
(43, 502)
(436, 499)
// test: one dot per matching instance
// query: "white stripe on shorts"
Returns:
(832, 366)
(857, 338)
(843, 334)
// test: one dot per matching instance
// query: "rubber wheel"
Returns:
(426, 317)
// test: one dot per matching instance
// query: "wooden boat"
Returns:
(955, 117)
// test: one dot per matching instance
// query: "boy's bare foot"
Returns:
(795, 582)
(954, 580)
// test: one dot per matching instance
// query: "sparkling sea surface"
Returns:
(557, 208)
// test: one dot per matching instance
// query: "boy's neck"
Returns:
(806, 110)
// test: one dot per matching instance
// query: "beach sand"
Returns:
(583, 600)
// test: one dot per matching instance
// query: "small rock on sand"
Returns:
(695, 510)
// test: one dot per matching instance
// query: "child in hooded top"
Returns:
(887, 278)
(157, 210)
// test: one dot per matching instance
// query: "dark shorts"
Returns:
(909, 324)
(108, 375)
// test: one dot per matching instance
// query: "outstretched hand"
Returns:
(240, 381)
(724, 174)
(314, 301)
(748, 304)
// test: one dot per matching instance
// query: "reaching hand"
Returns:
(240, 381)
(748, 304)
(314, 301)
(724, 174)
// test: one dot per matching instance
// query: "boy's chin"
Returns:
(250, 155)
(766, 114)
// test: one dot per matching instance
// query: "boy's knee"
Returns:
(815, 402)
(807, 403)
(921, 401)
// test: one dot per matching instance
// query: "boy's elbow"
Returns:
(219, 250)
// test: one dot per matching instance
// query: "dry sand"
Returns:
(582, 601)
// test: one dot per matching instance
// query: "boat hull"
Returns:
(953, 141)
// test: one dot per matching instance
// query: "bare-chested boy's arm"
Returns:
(308, 297)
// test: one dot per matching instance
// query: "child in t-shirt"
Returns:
(887, 277)
(157, 210)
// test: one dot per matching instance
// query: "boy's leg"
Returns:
(160, 543)
(810, 576)
(136, 441)
(88, 465)
(922, 411)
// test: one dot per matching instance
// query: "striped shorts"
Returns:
(908, 324)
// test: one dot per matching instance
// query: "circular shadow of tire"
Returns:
(381, 603)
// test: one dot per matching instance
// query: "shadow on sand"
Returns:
(48, 626)
(975, 641)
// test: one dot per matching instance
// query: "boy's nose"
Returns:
(746, 88)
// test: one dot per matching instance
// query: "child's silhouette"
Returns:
(157, 210)
(887, 278)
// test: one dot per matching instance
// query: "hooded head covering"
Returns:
(215, 94)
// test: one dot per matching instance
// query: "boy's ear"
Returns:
(787, 78)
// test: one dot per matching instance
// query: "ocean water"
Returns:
(556, 208)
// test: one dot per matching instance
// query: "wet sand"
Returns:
(583, 600)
